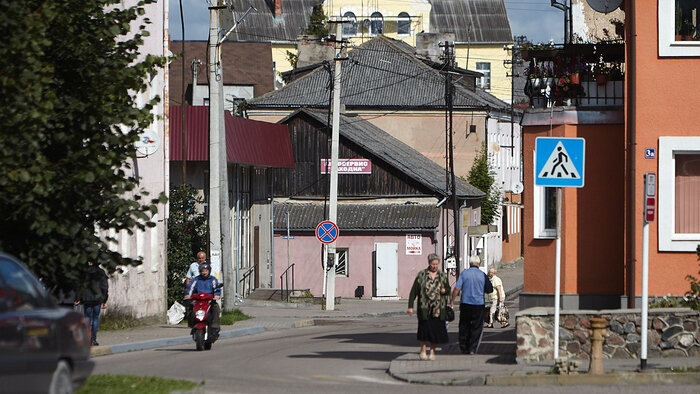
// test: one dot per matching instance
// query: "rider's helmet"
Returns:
(205, 266)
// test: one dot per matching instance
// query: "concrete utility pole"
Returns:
(449, 93)
(219, 221)
(335, 140)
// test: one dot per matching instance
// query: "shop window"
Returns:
(678, 188)
(341, 265)
(679, 28)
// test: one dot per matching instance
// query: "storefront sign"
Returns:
(348, 166)
(414, 244)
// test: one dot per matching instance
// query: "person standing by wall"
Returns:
(430, 287)
(473, 284)
(93, 298)
(496, 297)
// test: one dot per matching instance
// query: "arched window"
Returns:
(403, 25)
(376, 24)
(349, 29)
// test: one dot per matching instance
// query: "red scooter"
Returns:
(201, 329)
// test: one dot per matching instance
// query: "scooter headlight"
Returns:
(200, 314)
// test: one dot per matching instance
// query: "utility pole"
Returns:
(335, 141)
(219, 222)
(449, 93)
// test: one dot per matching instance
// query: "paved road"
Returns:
(341, 356)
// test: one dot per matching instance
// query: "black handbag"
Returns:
(450, 313)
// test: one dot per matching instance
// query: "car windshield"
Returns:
(19, 290)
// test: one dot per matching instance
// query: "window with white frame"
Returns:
(678, 188)
(545, 210)
(350, 27)
(403, 24)
(341, 264)
(485, 81)
(679, 27)
(376, 24)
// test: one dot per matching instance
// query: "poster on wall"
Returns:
(215, 261)
(414, 244)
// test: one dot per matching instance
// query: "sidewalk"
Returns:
(268, 316)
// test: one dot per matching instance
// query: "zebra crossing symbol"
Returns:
(559, 165)
(559, 162)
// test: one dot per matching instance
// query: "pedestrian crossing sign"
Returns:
(559, 162)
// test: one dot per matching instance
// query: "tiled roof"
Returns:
(474, 21)
(399, 216)
(261, 25)
(395, 153)
(381, 73)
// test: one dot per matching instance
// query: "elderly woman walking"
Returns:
(430, 287)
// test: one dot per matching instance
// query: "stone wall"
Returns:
(672, 332)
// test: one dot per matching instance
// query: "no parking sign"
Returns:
(327, 232)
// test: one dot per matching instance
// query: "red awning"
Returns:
(260, 144)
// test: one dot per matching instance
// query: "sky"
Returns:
(536, 19)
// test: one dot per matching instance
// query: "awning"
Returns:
(259, 144)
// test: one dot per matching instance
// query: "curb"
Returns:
(97, 351)
(635, 378)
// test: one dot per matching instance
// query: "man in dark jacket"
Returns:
(94, 297)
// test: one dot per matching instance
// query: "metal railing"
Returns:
(246, 288)
(284, 283)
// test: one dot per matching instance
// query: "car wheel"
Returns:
(61, 381)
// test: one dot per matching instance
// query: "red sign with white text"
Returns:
(348, 166)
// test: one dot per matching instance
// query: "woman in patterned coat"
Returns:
(430, 288)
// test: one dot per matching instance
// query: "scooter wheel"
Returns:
(199, 339)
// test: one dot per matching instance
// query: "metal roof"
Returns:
(474, 21)
(398, 216)
(260, 144)
(395, 153)
(381, 73)
(261, 25)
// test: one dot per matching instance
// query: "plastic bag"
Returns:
(176, 313)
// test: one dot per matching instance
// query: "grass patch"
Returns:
(228, 318)
(116, 384)
(116, 320)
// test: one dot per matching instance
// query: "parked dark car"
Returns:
(44, 348)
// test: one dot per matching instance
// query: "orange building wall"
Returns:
(592, 221)
(512, 243)
(666, 105)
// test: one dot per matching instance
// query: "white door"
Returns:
(386, 269)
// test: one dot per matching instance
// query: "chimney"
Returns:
(312, 50)
(428, 44)
(278, 8)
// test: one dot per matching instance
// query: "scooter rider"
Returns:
(205, 283)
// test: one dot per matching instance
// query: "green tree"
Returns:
(481, 177)
(186, 237)
(317, 22)
(68, 123)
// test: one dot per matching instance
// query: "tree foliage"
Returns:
(481, 177)
(68, 122)
(317, 22)
(186, 237)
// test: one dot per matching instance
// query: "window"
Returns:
(403, 25)
(341, 266)
(376, 24)
(19, 290)
(485, 81)
(545, 210)
(679, 28)
(678, 187)
(349, 29)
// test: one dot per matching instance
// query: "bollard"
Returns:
(598, 331)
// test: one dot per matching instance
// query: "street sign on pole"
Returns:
(649, 214)
(559, 162)
(327, 232)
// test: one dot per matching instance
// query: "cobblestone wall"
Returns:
(672, 332)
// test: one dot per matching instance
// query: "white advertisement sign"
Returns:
(215, 261)
(414, 244)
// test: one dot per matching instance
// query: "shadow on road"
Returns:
(352, 355)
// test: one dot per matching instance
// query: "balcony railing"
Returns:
(582, 75)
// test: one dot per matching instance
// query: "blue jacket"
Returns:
(201, 285)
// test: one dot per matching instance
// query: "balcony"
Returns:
(580, 75)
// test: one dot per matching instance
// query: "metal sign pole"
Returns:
(649, 216)
(557, 277)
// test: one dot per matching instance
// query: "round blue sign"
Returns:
(327, 232)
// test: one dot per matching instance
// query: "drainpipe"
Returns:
(631, 152)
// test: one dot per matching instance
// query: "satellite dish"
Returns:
(148, 143)
(518, 188)
(604, 6)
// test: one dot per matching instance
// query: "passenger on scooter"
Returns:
(205, 283)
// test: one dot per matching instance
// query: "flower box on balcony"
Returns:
(610, 94)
